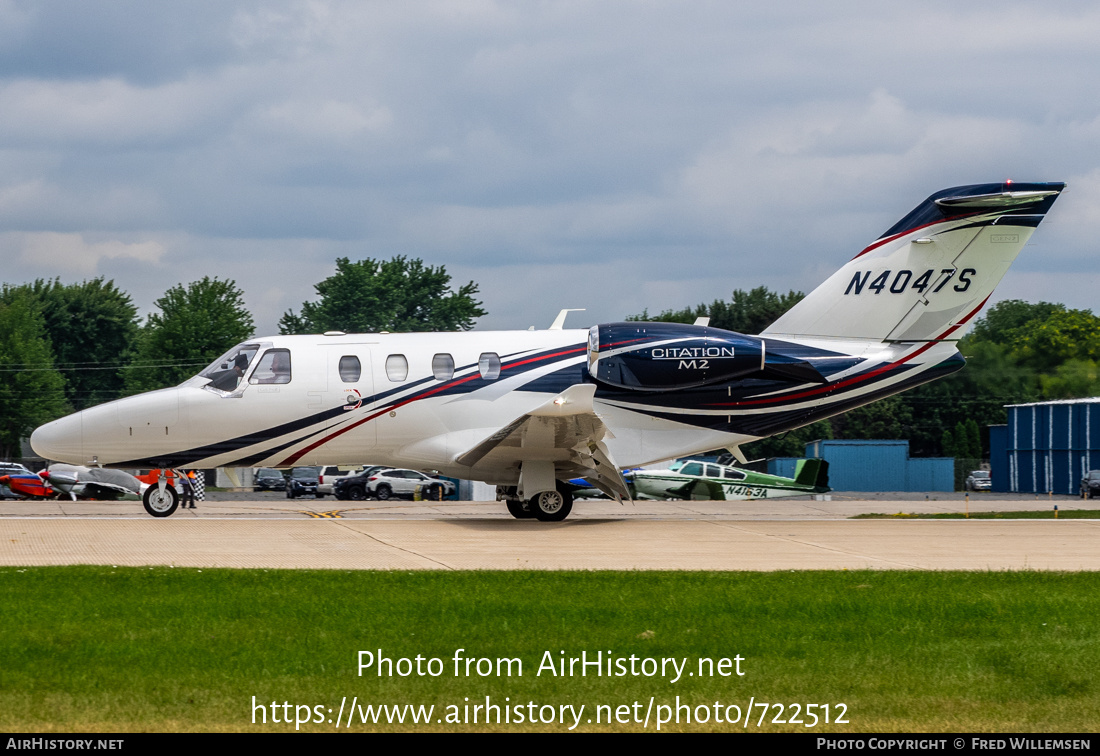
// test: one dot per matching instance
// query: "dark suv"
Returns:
(303, 481)
(354, 487)
(268, 479)
(1090, 485)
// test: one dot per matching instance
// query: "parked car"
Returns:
(979, 480)
(330, 475)
(1090, 485)
(303, 481)
(388, 484)
(268, 479)
(354, 487)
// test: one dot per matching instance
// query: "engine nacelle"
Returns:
(669, 356)
(664, 356)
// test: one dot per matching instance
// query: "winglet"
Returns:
(559, 321)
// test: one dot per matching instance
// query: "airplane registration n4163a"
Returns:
(529, 410)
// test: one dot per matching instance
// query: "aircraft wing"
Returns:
(80, 481)
(566, 430)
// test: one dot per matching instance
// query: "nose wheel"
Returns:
(160, 502)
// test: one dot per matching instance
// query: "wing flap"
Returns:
(567, 430)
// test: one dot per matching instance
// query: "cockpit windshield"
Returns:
(226, 372)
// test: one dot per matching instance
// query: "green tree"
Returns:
(1011, 316)
(1072, 379)
(887, 418)
(31, 391)
(790, 444)
(947, 443)
(1017, 352)
(974, 439)
(397, 295)
(1065, 335)
(196, 324)
(92, 327)
(747, 311)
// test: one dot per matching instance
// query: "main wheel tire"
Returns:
(158, 503)
(519, 509)
(551, 506)
(383, 492)
(357, 493)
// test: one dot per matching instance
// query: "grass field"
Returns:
(1046, 514)
(104, 649)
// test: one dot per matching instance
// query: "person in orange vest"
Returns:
(187, 483)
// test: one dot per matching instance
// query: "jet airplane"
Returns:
(529, 410)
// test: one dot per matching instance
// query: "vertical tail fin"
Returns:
(930, 273)
(812, 472)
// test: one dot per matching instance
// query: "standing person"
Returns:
(187, 483)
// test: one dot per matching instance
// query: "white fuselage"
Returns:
(415, 421)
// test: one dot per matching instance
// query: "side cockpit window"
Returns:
(274, 367)
(226, 372)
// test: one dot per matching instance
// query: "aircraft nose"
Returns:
(61, 440)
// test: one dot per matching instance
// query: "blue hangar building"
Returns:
(1046, 446)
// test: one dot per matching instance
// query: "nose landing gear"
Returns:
(160, 499)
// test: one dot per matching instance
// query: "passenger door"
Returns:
(350, 387)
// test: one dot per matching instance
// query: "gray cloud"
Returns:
(614, 156)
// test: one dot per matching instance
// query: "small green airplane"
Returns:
(708, 481)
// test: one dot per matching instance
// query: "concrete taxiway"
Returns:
(762, 535)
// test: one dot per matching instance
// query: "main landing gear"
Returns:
(545, 506)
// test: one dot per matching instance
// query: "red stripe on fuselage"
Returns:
(389, 408)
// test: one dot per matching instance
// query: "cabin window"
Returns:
(397, 368)
(733, 474)
(350, 368)
(489, 366)
(273, 367)
(712, 471)
(443, 367)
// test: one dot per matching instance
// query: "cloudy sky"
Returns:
(608, 155)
